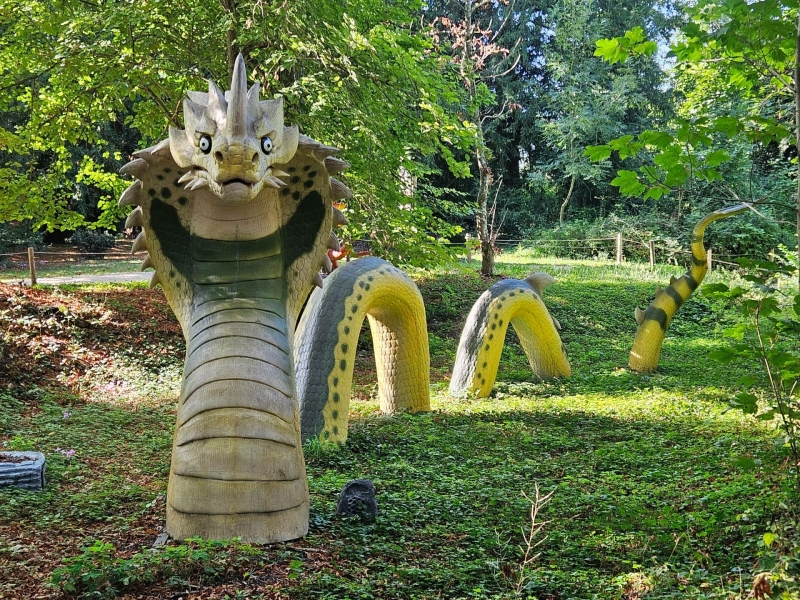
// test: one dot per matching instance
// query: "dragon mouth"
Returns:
(234, 181)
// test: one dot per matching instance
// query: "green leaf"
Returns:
(745, 463)
(628, 183)
(597, 153)
(769, 538)
(717, 157)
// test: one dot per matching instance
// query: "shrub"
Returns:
(91, 241)
(19, 235)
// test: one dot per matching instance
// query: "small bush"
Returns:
(18, 235)
(98, 573)
(91, 241)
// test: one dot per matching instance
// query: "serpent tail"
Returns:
(654, 321)
(518, 302)
(327, 336)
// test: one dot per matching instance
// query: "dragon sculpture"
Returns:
(237, 218)
(654, 321)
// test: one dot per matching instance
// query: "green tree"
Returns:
(354, 74)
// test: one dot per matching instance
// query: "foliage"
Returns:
(644, 467)
(16, 236)
(98, 573)
(92, 241)
(86, 85)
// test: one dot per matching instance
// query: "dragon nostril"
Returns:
(218, 156)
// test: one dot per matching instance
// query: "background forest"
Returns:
(505, 120)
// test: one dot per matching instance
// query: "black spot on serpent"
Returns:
(292, 169)
(494, 325)
(500, 305)
(295, 179)
(151, 192)
(167, 170)
(344, 347)
(487, 347)
(361, 284)
(359, 297)
(286, 191)
(166, 193)
(296, 195)
(354, 309)
(370, 278)
(500, 323)
(366, 287)
(178, 283)
(335, 430)
(346, 330)
(382, 272)
(491, 336)
(511, 293)
(160, 177)
(477, 375)
(306, 167)
(336, 384)
(496, 316)
(183, 200)
(335, 414)
(483, 381)
(171, 274)
(484, 365)
(312, 174)
(342, 364)
(327, 434)
(336, 398)
(309, 183)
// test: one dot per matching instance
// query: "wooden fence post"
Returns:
(32, 265)
(619, 248)
(708, 259)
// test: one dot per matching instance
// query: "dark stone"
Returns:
(22, 469)
(357, 499)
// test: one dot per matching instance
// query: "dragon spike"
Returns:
(317, 280)
(154, 280)
(539, 281)
(188, 176)
(130, 197)
(192, 115)
(333, 243)
(181, 147)
(217, 105)
(638, 314)
(278, 173)
(254, 100)
(136, 168)
(236, 124)
(340, 191)
(135, 219)
(274, 182)
(139, 244)
(273, 111)
(161, 149)
(659, 291)
(338, 217)
(335, 165)
(147, 263)
(556, 324)
(672, 280)
(197, 184)
(200, 98)
(327, 265)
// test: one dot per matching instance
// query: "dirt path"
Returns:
(97, 278)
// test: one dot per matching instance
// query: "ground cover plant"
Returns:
(649, 495)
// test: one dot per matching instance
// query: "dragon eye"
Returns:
(266, 144)
(205, 144)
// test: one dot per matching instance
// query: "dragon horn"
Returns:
(236, 123)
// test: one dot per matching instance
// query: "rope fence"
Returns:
(471, 245)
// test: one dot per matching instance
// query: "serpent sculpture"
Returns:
(237, 216)
(654, 321)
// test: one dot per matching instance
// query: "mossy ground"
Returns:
(648, 500)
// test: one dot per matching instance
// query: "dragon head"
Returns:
(232, 141)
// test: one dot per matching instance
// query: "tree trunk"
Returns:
(482, 220)
(566, 201)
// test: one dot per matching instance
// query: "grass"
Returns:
(67, 262)
(648, 500)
